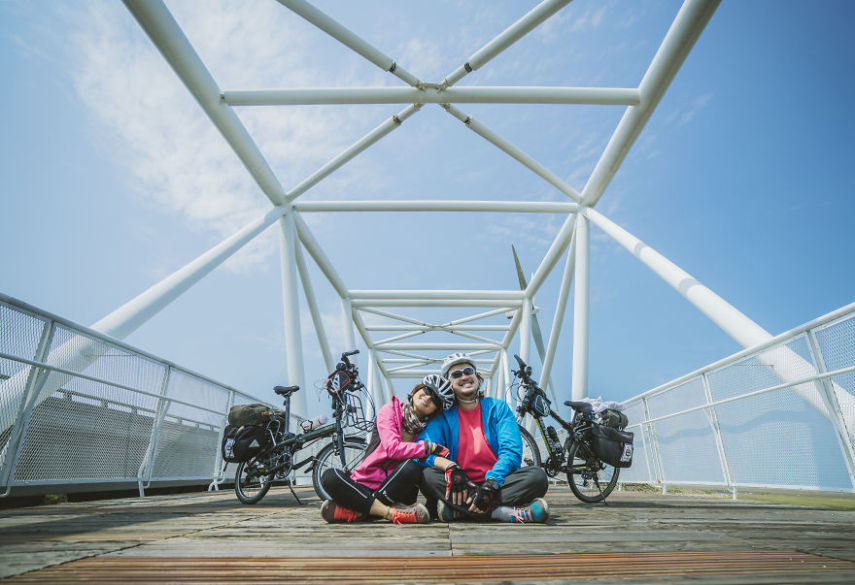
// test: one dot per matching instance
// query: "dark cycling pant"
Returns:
(520, 487)
(400, 487)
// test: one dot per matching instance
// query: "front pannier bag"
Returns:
(612, 446)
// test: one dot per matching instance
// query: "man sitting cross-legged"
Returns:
(482, 478)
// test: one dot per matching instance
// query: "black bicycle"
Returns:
(277, 457)
(590, 477)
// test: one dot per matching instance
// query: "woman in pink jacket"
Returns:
(386, 483)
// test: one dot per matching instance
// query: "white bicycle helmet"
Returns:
(453, 360)
(441, 388)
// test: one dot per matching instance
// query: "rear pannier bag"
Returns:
(243, 443)
(249, 414)
(612, 446)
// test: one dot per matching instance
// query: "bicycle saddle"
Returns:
(582, 407)
(285, 390)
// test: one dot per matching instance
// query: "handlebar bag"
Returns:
(249, 414)
(243, 443)
(611, 445)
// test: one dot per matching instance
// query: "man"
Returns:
(480, 477)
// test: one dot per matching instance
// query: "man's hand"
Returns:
(485, 497)
(457, 486)
(435, 449)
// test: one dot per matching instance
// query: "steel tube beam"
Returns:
(127, 318)
(357, 147)
(438, 206)
(428, 302)
(394, 316)
(681, 37)
(558, 246)
(788, 365)
(450, 328)
(313, 310)
(291, 306)
(476, 317)
(580, 313)
(349, 39)
(446, 345)
(506, 38)
(514, 152)
(525, 330)
(406, 95)
(509, 295)
(157, 22)
(560, 308)
(347, 323)
(316, 252)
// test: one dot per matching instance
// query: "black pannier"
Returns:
(611, 445)
(614, 418)
(243, 443)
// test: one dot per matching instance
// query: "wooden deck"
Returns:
(212, 538)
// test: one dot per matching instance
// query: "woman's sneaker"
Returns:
(416, 514)
(333, 513)
(536, 512)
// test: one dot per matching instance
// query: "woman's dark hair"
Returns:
(434, 398)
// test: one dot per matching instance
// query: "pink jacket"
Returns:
(391, 451)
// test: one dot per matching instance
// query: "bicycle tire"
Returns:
(530, 452)
(250, 484)
(354, 449)
(594, 481)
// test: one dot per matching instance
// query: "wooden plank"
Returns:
(472, 568)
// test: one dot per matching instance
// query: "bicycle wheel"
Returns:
(251, 479)
(530, 452)
(329, 458)
(590, 479)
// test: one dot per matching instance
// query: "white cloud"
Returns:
(179, 162)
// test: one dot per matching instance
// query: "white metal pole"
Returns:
(558, 246)
(349, 39)
(439, 205)
(127, 318)
(408, 95)
(514, 152)
(506, 38)
(787, 364)
(525, 330)
(313, 309)
(580, 313)
(681, 37)
(291, 305)
(317, 253)
(506, 295)
(357, 147)
(167, 36)
(347, 323)
(560, 309)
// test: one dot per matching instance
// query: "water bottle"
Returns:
(554, 444)
(315, 423)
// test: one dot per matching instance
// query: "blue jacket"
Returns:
(500, 429)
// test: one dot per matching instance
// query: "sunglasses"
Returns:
(467, 371)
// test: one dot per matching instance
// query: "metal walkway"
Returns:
(211, 538)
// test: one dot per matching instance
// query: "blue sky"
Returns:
(111, 177)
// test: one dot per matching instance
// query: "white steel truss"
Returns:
(395, 348)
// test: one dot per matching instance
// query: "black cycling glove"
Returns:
(487, 495)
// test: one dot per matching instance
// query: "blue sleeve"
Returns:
(509, 442)
(433, 433)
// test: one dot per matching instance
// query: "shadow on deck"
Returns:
(212, 538)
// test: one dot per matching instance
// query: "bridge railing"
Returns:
(780, 415)
(81, 409)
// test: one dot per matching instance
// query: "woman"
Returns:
(386, 483)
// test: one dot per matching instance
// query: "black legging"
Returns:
(400, 487)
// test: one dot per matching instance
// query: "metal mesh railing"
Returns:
(79, 408)
(781, 415)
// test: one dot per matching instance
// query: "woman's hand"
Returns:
(435, 449)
